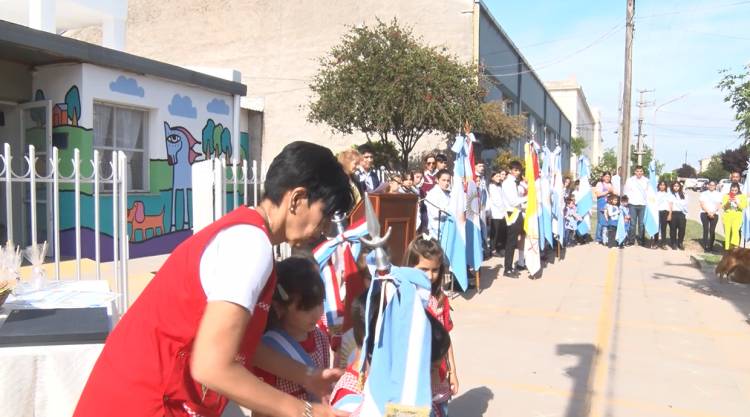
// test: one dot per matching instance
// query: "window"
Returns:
(124, 129)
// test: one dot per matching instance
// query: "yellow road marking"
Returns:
(598, 377)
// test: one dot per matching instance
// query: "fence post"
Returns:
(77, 200)
(125, 239)
(97, 238)
(8, 192)
(32, 191)
(235, 183)
(244, 181)
(56, 208)
(255, 182)
(115, 229)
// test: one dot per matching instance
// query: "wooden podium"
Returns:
(397, 211)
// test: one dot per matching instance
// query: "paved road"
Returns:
(631, 332)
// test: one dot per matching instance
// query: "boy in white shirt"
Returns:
(514, 218)
(636, 188)
(438, 201)
(710, 202)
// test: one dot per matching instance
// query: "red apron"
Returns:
(144, 368)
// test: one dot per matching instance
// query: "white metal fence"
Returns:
(243, 178)
(48, 186)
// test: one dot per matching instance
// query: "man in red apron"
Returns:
(188, 342)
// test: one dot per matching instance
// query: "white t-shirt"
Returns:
(236, 265)
(636, 189)
(712, 200)
(496, 202)
(679, 204)
(437, 200)
(663, 200)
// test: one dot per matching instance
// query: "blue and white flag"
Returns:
(585, 198)
(651, 217)
(544, 198)
(280, 341)
(621, 233)
(399, 373)
(454, 248)
(558, 196)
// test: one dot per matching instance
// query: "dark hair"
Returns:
(358, 312)
(569, 200)
(624, 199)
(313, 167)
(428, 249)
(515, 165)
(666, 186)
(441, 158)
(365, 148)
(297, 282)
(611, 198)
(441, 340)
(637, 167)
(604, 174)
(428, 157)
(734, 184)
(441, 173)
(680, 193)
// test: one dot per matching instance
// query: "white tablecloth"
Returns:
(46, 381)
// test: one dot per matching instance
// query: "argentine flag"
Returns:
(545, 200)
(399, 374)
(558, 196)
(585, 199)
(651, 217)
(620, 233)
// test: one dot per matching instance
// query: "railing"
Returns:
(237, 176)
(54, 178)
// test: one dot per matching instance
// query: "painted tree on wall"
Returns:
(217, 140)
(73, 103)
(207, 138)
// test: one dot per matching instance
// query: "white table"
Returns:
(48, 380)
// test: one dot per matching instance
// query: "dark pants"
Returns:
(663, 214)
(511, 241)
(499, 234)
(570, 237)
(677, 228)
(709, 230)
(637, 228)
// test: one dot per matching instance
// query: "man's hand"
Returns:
(321, 381)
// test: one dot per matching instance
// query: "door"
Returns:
(36, 129)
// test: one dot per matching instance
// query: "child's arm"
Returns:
(453, 379)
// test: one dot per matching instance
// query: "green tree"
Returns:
(504, 159)
(648, 155)
(715, 170)
(735, 160)
(497, 128)
(382, 81)
(607, 163)
(737, 89)
(686, 171)
(577, 145)
(73, 102)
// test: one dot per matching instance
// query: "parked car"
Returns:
(699, 184)
(726, 182)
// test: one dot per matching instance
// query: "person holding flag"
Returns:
(584, 196)
(532, 242)
(651, 215)
(513, 217)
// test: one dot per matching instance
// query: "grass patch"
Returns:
(709, 258)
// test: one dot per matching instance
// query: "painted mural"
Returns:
(161, 218)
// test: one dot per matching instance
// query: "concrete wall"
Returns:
(276, 46)
(15, 82)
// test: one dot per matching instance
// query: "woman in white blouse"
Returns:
(710, 201)
(664, 201)
(498, 211)
(679, 216)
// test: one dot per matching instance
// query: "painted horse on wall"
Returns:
(180, 156)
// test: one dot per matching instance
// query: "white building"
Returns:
(585, 120)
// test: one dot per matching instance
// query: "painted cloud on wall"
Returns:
(217, 106)
(182, 106)
(127, 85)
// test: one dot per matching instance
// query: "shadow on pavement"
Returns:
(709, 284)
(578, 404)
(486, 279)
(472, 403)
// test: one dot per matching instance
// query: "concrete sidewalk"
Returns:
(632, 332)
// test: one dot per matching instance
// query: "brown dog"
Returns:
(140, 221)
(735, 265)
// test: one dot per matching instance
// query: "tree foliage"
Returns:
(715, 170)
(607, 163)
(73, 103)
(648, 155)
(497, 128)
(504, 159)
(577, 145)
(737, 89)
(735, 160)
(382, 81)
(686, 171)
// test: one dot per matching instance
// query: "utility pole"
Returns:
(641, 105)
(625, 130)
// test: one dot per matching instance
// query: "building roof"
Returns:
(34, 47)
